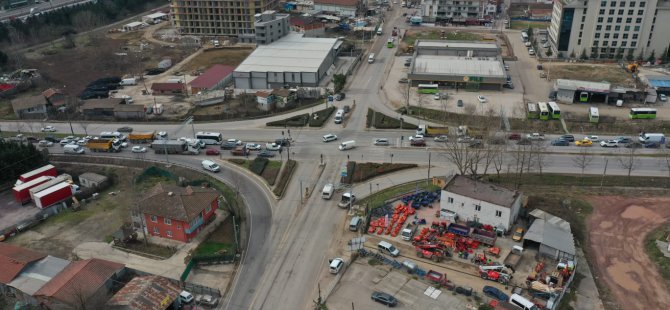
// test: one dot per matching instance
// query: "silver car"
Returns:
(382, 142)
(441, 138)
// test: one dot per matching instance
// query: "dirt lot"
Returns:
(617, 231)
(225, 56)
(611, 73)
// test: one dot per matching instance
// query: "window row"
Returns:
(622, 3)
(620, 12)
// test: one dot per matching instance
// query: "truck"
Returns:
(464, 131)
(104, 145)
(652, 137)
(432, 131)
(174, 147)
(22, 191)
(408, 232)
(48, 170)
(459, 229)
(484, 236)
(55, 181)
(439, 279)
(53, 195)
(142, 137)
(514, 257)
(394, 33)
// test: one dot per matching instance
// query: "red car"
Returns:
(212, 152)
(514, 136)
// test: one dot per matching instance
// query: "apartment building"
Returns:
(271, 26)
(610, 29)
(233, 18)
(451, 10)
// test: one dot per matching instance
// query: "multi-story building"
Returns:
(610, 29)
(219, 17)
(456, 9)
(271, 26)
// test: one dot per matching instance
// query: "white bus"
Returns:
(594, 116)
(524, 37)
(209, 138)
(113, 135)
(428, 88)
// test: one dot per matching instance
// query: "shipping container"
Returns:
(48, 170)
(55, 181)
(22, 192)
(53, 195)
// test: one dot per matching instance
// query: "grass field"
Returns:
(412, 36)
(377, 199)
(611, 73)
(223, 56)
(519, 24)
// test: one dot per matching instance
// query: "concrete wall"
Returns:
(465, 207)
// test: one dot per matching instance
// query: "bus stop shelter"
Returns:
(569, 91)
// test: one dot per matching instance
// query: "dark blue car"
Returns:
(495, 293)
(560, 142)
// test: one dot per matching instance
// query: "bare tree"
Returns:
(629, 160)
(404, 90)
(498, 161)
(30, 126)
(457, 154)
(521, 160)
(84, 126)
(582, 161)
(538, 154)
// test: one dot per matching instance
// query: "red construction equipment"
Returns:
(439, 279)
(431, 251)
(493, 251)
(493, 275)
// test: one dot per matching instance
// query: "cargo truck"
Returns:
(484, 236)
(142, 137)
(174, 147)
(408, 232)
(432, 131)
(53, 195)
(459, 229)
(55, 181)
(48, 170)
(104, 145)
(22, 191)
(513, 258)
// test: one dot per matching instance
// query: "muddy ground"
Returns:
(617, 230)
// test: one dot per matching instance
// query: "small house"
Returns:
(129, 111)
(55, 97)
(216, 77)
(154, 18)
(132, 26)
(14, 260)
(167, 89)
(343, 8)
(92, 180)
(30, 107)
(96, 108)
(283, 97)
(265, 100)
(146, 292)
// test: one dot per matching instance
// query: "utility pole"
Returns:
(301, 192)
(429, 165)
(602, 179)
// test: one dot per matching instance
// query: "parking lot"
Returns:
(14, 213)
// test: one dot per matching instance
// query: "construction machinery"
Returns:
(104, 145)
(492, 273)
(434, 252)
(439, 279)
(632, 67)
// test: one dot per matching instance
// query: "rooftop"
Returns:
(14, 259)
(28, 102)
(457, 44)
(483, 191)
(145, 293)
(454, 65)
(50, 92)
(129, 108)
(167, 86)
(551, 234)
(212, 76)
(292, 53)
(38, 274)
(133, 24)
(104, 103)
(659, 80)
(93, 177)
(337, 2)
(156, 15)
(603, 87)
(177, 203)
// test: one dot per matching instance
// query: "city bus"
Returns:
(584, 97)
(544, 111)
(209, 138)
(428, 89)
(389, 43)
(554, 110)
(532, 111)
(594, 116)
(639, 113)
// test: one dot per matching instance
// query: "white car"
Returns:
(82, 142)
(329, 137)
(592, 138)
(45, 143)
(48, 129)
(139, 149)
(335, 265)
(481, 99)
(253, 146)
(609, 143)
(416, 138)
(272, 147)
(65, 141)
(662, 97)
(437, 96)
(382, 141)
(127, 98)
(441, 138)
(237, 142)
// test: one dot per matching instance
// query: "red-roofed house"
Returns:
(265, 100)
(342, 8)
(55, 97)
(146, 293)
(167, 88)
(178, 213)
(308, 25)
(216, 77)
(83, 284)
(14, 259)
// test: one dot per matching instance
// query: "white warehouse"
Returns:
(482, 202)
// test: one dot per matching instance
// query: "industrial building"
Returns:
(570, 91)
(291, 61)
(455, 11)
(270, 26)
(460, 64)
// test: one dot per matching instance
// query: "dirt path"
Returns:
(617, 230)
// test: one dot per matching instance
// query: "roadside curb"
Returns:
(247, 173)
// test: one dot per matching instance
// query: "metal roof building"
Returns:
(38, 274)
(462, 64)
(570, 90)
(553, 234)
(290, 61)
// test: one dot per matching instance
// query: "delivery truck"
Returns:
(104, 145)
(53, 195)
(55, 181)
(459, 229)
(174, 147)
(142, 137)
(22, 191)
(432, 131)
(48, 170)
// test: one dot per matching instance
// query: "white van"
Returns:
(210, 165)
(388, 248)
(128, 81)
(339, 116)
(355, 223)
(523, 303)
(371, 58)
(327, 191)
(347, 145)
(185, 297)
(379, 31)
(73, 149)
(335, 265)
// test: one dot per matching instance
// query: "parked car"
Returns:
(481, 99)
(552, 95)
(560, 142)
(584, 142)
(662, 97)
(518, 234)
(494, 292)
(509, 85)
(569, 138)
(329, 137)
(459, 103)
(382, 142)
(609, 143)
(266, 153)
(272, 147)
(138, 149)
(416, 137)
(441, 138)
(340, 96)
(48, 129)
(228, 145)
(514, 136)
(253, 146)
(212, 152)
(437, 96)
(125, 129)
(385, 299)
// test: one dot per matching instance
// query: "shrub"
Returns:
(271, 172)
(383, 121)
(296, 121)
(237, 161)
(322, 117)
(284, 178)
(364, 171)
(258, 165)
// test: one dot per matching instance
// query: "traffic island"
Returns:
(267, 169)
(360, 172)
(382, 121)
(284, 178)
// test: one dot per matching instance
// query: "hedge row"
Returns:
(284, 178)
(258, 165)
(296, 121)
(383, 121)
(322, 117)
(365, 171)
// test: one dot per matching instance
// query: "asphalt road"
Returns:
(39, 7)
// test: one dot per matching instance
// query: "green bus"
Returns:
(544, 111)
(532, 111)
(389, 43)
(640, 113)
(554, 110)
(584, 97)
(428, 88)
(594, 116)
